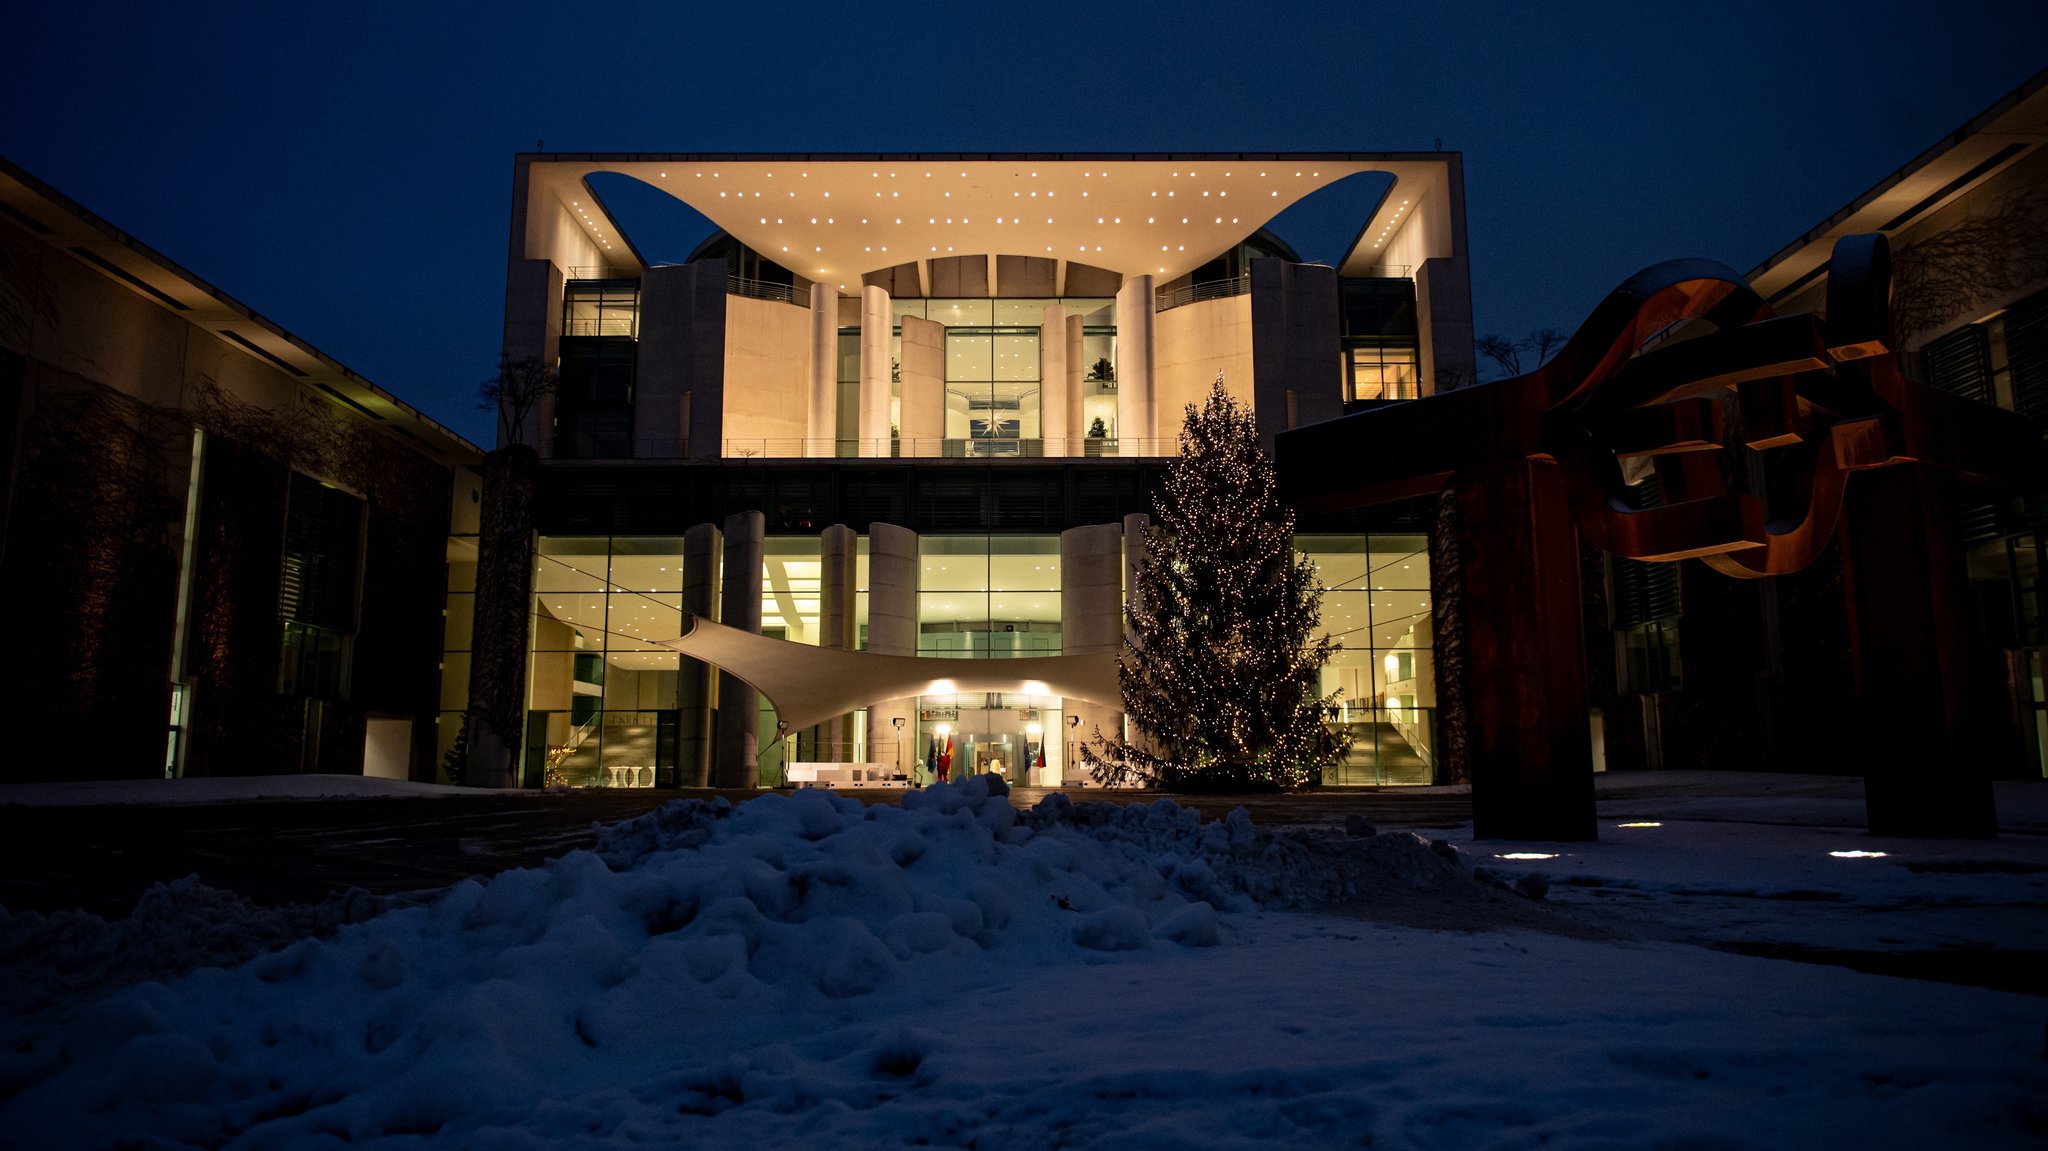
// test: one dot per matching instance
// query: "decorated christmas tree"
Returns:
(1220, 679)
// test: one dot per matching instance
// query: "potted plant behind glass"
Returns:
(1104, 373)
(1098, 439)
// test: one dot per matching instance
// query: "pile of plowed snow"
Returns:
(700, 928)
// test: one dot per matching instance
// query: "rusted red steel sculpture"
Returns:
(1684, 368)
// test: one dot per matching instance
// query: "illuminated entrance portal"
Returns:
(1017, 737)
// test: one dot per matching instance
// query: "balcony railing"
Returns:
(599, 272)
(601, 326)
(763, 290)
(1196, 293)
(772, 448)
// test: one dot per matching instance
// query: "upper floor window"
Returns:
(601, 308)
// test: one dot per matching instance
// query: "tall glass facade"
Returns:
(603, 695)
(1376, 604)
(993, 355)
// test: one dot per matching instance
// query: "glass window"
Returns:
(988, 596)
(319, 589)
(1381, 372)
(961, 313)
(1376, 604)
(792, 587)
(1026, 313)
(992, 396)
(601, 308)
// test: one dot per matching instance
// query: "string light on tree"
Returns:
(1221, 678)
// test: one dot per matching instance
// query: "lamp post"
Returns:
(1073, 721)
(1034, 733)
(896, 721)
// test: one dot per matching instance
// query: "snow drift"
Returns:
(685, 933)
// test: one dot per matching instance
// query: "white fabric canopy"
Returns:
(808, 685)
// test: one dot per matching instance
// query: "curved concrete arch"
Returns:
(830, 218)
(808, 685)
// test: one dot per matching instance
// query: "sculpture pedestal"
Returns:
(1525, 665)
(1917, 732)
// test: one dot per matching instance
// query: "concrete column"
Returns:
(822, 426)
(740, 607)
(703, 551)
(1134, 556)
(923, 391)
(1054, 421)
(679, 384)
(1077, 411)
(875, 384)
(1134, 416)
(533, 331)
(1295, 329)
(1091, 615)
(839, 551)
(892, 630)
(1443, 316)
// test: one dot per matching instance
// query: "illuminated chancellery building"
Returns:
(914, 405)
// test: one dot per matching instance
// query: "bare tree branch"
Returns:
(515, 393)
(1993, 254)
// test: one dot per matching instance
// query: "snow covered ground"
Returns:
(805, 971)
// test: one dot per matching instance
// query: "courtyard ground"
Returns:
(1734, 963)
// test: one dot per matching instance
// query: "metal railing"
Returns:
(1197, 293)
(598, 272)
(602, 326)
(763, 290)
(1387, 272)
(791, 448)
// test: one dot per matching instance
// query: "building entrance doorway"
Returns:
(989, 735)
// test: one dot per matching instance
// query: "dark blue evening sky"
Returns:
(346, 170)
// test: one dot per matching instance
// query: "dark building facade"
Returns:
(226, 549)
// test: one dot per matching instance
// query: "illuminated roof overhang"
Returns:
(835, 218)
(809, 685)
(62, 223)
(2013, 128)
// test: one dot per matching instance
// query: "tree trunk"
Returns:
(504, 589)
